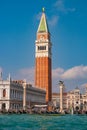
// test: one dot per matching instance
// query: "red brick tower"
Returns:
(43, 58)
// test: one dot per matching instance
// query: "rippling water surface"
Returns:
(37, 122)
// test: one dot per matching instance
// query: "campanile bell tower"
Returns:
(43, 45)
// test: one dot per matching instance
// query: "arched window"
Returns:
(41, 47)
(4, 92)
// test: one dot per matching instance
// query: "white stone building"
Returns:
(72, 99)
(19, 94)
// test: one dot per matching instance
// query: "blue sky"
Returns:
(67, 20)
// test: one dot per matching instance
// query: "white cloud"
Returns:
(1, 69)
(38, 16)
(71, 9)
(56, 73)
(72, 77)
(59, 4)
(84, 85)
(77, 72)
(53, 21)
(75, 76)
(26, 73)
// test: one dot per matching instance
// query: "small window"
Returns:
(4, 92)
(41, 47)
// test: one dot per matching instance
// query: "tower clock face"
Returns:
(42, 37)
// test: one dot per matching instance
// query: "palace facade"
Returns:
(72, 99)
(18, 94)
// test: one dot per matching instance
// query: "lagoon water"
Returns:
(38, 122)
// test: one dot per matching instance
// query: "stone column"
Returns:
(24, 95)
(61, 98)
(61, 85)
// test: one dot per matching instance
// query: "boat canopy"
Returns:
(40, 106)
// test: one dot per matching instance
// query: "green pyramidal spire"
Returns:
(43, 26)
